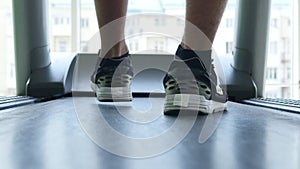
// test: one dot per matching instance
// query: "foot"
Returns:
(111, 79)
(192, 84)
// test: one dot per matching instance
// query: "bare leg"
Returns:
(202, 16)
(112, 12)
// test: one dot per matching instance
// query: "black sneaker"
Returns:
(192, 84)
(111, 79)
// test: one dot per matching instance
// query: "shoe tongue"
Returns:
(192, 58)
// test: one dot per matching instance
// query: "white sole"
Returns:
(112, 94)
(192, 102)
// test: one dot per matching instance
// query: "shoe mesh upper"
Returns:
(113, 72)
(192, 76)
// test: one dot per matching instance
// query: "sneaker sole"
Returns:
(112, 94)
(189, 102)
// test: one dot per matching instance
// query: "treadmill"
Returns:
(60, 124)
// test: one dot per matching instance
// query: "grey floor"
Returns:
(59, 135)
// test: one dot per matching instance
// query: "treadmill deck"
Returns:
(49, 135)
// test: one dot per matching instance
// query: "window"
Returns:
(273, 46)
(271, 73)
(159, 21)
(274, 23)
(62, 46)
(163, 21)
(141, 31)
(156, 21)
(7, 64)
(180, 22)
(229, 47)
(223, 43)
(89, 29)
(288, 74)
(60, 20)
(159, 46)
(131, 31)
(229, 22)
(84, 22)
(83, 45)
(282, 78)
(12, 74)
(133, 45)
(68, 21)
(56, 20)
(136, 46)
(60, 17)
(135, 21)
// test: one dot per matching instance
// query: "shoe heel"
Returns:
(190, 102)
(114, 94)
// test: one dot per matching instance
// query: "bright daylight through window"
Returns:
(282, 71)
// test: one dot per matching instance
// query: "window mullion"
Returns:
(75, 15)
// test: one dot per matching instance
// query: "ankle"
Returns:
(196, 46)
(118, 50)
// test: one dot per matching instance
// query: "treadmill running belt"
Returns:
(50, 135)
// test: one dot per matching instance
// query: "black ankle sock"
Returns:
(121, 57)
(185, 54)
